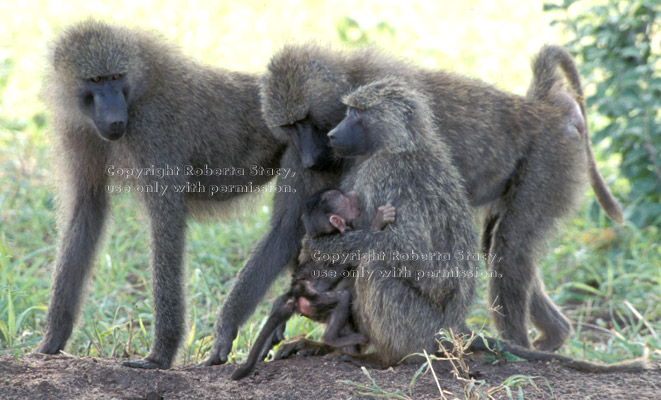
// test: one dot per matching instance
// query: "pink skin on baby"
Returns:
(304, 305)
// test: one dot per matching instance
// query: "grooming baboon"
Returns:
(519, 157)
(321, 291)
(125, 102)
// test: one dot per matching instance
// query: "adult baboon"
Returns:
(321, 291)
(126, 103)
(519, 157)
(422, 283)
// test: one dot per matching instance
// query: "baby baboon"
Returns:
(519, 157)
(127, 105)
(320, 291)
(421, 283)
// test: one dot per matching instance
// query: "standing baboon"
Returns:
(321, 291)
(519, 157)
(126, 104)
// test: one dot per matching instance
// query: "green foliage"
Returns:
(618, 46)
(350, 32)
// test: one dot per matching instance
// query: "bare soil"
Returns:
(67, 377)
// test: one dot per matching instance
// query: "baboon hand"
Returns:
(387, 213)
(384, 215)
(221, 347)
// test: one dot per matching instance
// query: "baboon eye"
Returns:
(96, 79)
(116, 76)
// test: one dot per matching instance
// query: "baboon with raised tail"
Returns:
(524, 162)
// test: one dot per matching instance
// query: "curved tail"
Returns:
(546, 80)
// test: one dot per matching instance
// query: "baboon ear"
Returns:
(338, 222)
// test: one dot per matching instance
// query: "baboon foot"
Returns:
(520, 337)
(277, 337)
(221, 347)
(214, 359)
(552, 340)
(553, 327)
(145, 363)
(50, 346)
(303, 348)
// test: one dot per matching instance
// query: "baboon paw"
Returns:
(143, 364)
(214, 359)
(546, 344)
(520, 340)
(287, 350)
(553, 340)
(50, 347)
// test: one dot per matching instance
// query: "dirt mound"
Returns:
(66, 377)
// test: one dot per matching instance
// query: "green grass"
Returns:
(591, 268)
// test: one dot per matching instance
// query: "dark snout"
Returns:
(342, 138)
(111, 114)
(313, 147)
(349, 139)
(308, 150)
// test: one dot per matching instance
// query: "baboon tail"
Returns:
(546, 79)
(493, 346)
(280, 316)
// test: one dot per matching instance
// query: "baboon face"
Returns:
(301, 103)
(330, 211)
(311, 143)
(103, 99)
(99, 62)
(349, 139)
(382, 106)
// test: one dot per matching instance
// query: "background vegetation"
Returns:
(606, 277)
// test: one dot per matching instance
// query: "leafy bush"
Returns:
(618, 45)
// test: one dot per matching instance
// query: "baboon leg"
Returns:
(278, 333)
(82, 228)
(554, 328)
(167, 248)
(273, 253)
(509, 291)
(302, 347)
(521, 231)
(262, 345)
(387, 321)
(338, 319)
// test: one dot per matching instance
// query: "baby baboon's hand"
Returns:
(384, 215)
